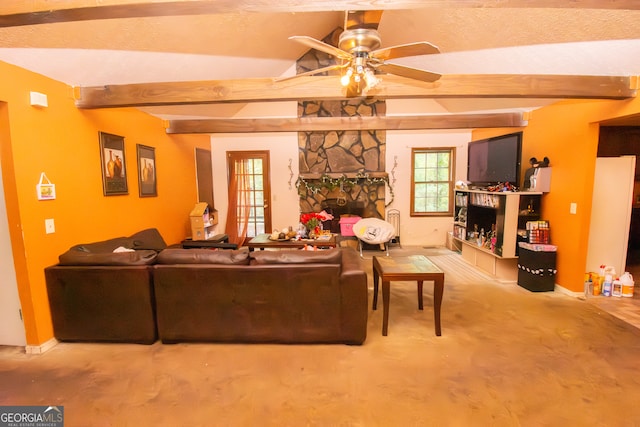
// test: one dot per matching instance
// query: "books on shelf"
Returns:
(487, 200)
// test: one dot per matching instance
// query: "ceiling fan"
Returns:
(361, 57)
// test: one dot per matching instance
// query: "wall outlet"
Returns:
(49, 226)
(573, 208)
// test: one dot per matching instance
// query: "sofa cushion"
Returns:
(203, 256)
(329, 256)
(148, 239)
(80, 257)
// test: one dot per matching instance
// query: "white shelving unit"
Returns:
(498, 216)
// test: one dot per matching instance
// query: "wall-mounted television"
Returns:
(494, 160)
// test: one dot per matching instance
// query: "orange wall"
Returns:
(62, 141)
(567, 133)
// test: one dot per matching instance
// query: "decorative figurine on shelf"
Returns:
(530, 173)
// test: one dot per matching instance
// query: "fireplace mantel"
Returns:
(346, 175)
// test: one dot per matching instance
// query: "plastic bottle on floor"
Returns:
(606, 286)
(597, 284)
(588, 285)
(627, 285)
(616, 288)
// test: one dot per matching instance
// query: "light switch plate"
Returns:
(573, 208)
(49, 226)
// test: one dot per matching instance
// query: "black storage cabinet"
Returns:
(536, 270)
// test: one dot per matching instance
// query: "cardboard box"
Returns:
(203, 221)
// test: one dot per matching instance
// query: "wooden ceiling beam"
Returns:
(15, 13)
(320, 124)
(328, 88)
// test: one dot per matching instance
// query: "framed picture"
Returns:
(147, 171)
(114, 174)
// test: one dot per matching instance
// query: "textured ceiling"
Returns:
(244, 45)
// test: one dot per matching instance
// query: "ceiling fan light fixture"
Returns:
(359, 78)
(346, 77)
(370, 79)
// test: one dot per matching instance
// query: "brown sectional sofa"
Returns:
(203, 295)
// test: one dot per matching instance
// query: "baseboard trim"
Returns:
(563, 290)
(42, 348)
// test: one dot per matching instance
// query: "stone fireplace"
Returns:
(345, 167)
(343, 171)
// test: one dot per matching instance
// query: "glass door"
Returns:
(249, 171)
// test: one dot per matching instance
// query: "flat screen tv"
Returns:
(495, 160)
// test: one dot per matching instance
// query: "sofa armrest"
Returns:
(102, 303)
(351, 263)
(355, 294)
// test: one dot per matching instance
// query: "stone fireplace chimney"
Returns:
(344, 169)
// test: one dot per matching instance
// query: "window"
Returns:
(432, 172)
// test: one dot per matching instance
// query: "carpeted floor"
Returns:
(506, 357)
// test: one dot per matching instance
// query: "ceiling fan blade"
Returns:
(362, 19)
(321, 46)
(403, 50)
(312, 72)
(412, 73)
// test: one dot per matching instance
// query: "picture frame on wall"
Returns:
(114, 173)
(147, 183)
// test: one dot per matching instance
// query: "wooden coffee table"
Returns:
(414, 267)
(262, 241)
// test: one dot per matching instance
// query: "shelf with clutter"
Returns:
(489, 226)
(494, 221)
